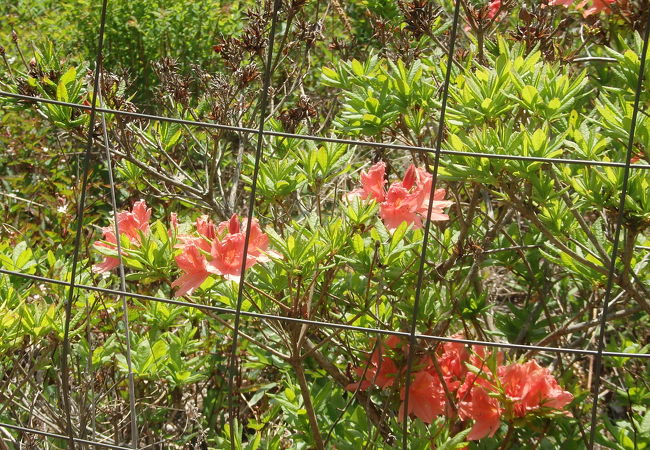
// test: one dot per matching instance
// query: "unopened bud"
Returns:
(14, 36)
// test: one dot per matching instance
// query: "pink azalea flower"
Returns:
(228, 255)
(426, 397)
(219, 250)
(480, 355)
(259, 244)
(109, 262)
(453, 358)
(493, 8)
(597, 6)
(194, 264)
(372, 184)
(406, 200)
(381, 370)
(437, 214)
(475, 403)
(530, 387)
(206, 234)
(400, 206)
(134, 224)
(485, 397)
(206, 228)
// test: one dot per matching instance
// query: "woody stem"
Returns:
(309, 407)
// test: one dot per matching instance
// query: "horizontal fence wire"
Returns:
(317, 323)
(61, 436)
(334, 140)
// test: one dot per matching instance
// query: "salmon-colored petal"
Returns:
(393, 216)
(109, 263)
(142, 215)
(400, 206)
(530, 387)
(475, 403)
(439, 217)
(409, 177)
(227, 257)
(134, 223)
(233, 224)
(426, 398)
(205, 227)
(493, 8)
(191, 259)
(192, 262)
(188, 282)
(373, 182)
(486, 414)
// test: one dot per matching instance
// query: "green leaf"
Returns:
(330, 74)
(538, 140)
(357, 243)
(554, 104)
(357, 67)
(256, 442)
(631, 57)
(398, 235)
(529, 95)
(69, 76)
(290, 394)
(457, 441)
(61, 92)
(158, 351)
(51, 259)
(23, 256)
(644, 427)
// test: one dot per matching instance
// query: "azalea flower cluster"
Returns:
(208, 249)
(595, 6)
(133, 224)
(466, 384)
(219, 250)
(404, 201)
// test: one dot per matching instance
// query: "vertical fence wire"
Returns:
(266, 84)
(617, 234)
(125, 306)
(427, 224)
(65, 382)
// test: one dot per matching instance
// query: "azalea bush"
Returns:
(319, 241)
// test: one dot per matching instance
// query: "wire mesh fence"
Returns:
(97, 132)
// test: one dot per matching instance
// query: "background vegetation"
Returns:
(522, 259)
